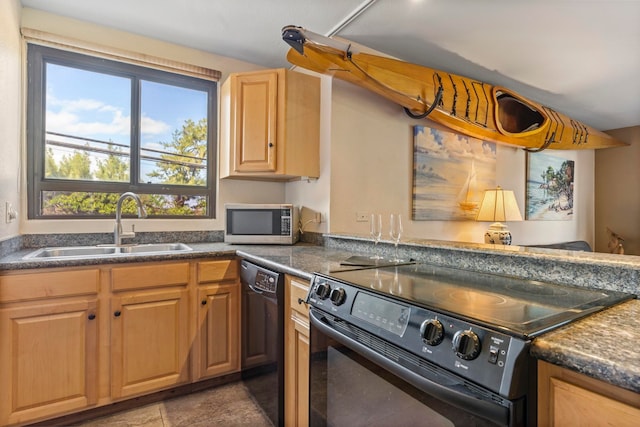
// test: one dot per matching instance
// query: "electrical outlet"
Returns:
(362, 217)
(10, 213)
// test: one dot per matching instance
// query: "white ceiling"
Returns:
(581, 57)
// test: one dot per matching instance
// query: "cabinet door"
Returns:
(567, 398)
(297, 373)
(149, 341)
(297, 355)
(48, 359)
(218, 330)
(255, 112)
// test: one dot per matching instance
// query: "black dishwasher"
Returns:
(263, 338)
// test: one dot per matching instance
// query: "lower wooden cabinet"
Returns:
(219, 330)
(48, 346)
(567, 398)
(72, 339)
(149, 342)
(296, 358)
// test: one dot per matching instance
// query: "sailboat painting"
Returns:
(450, 173)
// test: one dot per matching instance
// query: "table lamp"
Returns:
(498, 206)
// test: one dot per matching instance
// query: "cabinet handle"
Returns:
(117, 313)
(92, 316)
(203, 302)
(301, 301)
(270, 144)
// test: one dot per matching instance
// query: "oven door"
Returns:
(353, 385)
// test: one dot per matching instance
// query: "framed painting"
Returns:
(450, 174)
(550, 187)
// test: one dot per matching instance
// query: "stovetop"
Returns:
(524, 308)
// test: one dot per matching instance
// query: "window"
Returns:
(97, 128)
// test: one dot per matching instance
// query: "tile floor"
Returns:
(228, 405)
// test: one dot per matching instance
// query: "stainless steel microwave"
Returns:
(261, 223)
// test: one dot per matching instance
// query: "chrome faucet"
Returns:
(118, 234)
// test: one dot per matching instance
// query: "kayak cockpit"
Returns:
(516, 116)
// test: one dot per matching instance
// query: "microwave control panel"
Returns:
(285, 222)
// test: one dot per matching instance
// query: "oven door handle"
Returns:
(469, 402)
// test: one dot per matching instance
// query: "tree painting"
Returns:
(550, 187)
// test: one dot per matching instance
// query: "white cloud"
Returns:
(154, 127)
(90, 117)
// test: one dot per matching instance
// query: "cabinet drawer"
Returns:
(216, 271)
(50, 284)
(149, 276)
(298, 294)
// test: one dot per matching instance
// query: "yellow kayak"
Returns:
(471, 107)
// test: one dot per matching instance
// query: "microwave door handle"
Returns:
(482, 407)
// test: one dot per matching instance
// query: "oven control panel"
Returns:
(483, 355)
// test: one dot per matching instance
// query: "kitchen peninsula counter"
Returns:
(598, 346)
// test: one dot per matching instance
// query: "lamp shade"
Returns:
(499, 205)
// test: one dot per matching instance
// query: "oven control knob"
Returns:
(322, 290)
(466, 344)
(432, 332)
(337, 296)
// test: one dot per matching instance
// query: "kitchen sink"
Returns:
(105, 251)
(154, 248)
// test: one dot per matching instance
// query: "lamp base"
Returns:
(498, 234)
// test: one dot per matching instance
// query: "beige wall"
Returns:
(10, 112)
(617, 172)
(228, 190)
(371, 171)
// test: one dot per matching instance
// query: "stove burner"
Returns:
(534, 288)
(463, 296)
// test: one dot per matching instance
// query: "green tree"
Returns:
(76, 166)
(183, 166)
(113, 168)
(51, 169)
(188, 148)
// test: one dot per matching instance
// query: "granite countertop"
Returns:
(301, 260)
(602, 346)
(598, 346)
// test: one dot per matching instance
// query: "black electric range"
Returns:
(518, 307)
(471, 330)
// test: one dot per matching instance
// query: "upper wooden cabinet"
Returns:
(270, 125)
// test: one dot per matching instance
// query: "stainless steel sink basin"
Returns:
(155, 248)
(79, 252)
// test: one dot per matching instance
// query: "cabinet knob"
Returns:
(270, 144)
(117, 313)
(91, 316)
(203, 302)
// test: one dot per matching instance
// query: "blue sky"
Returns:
(97, 106)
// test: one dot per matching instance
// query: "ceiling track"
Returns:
(355, 13)
(350, 17)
